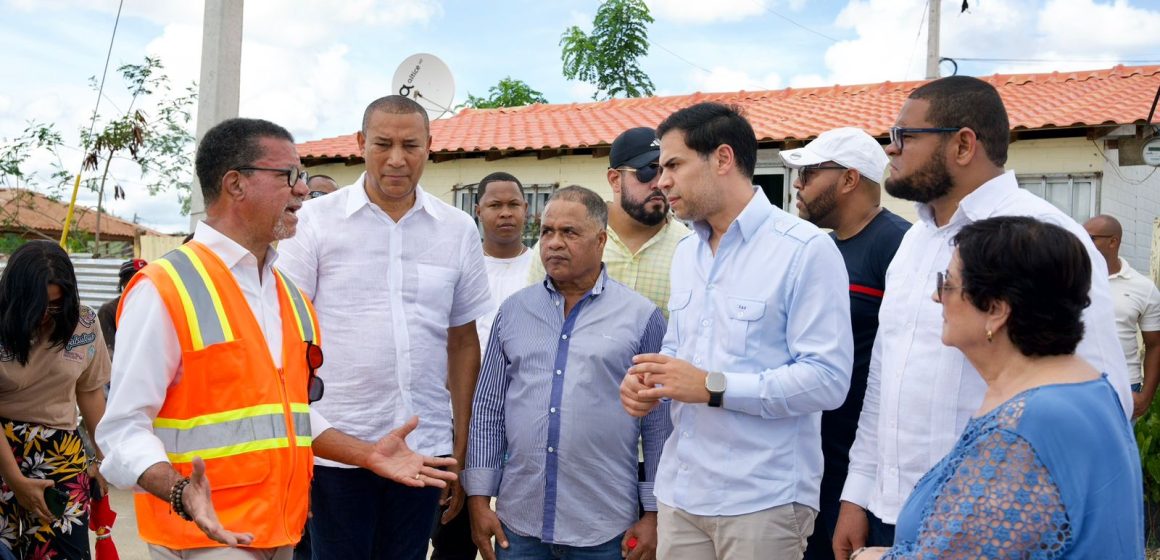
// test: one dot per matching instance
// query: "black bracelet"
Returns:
(175, 499)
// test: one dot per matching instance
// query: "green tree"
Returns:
(507, 93)
(159, 145)
(608, 57)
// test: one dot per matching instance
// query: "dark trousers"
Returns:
(820, 545)
(359, 515)
(453, 540)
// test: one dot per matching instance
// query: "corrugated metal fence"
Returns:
(96, 278)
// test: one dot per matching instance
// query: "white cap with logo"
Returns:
(849, 147)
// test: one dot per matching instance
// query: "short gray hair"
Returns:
(596, 207)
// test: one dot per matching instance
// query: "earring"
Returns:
(990, 335)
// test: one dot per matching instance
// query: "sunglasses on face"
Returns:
(314, 388)
(643, 174)
(941, 286)
(808, 171)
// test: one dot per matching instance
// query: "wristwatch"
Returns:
(715, 383)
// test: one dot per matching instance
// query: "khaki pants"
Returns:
(779, 533)
(221, 553)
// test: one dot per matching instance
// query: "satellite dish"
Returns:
(427, 80)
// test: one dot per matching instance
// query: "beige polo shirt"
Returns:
(1137, 304)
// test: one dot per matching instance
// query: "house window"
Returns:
(1077, 195)
(536, 195)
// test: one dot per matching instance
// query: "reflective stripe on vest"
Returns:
(301, 311)
(207, 319)
(232, 432)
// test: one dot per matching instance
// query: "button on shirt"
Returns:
(646, 272)
(548, 400)
(769, 310)
(148, 359)
(920, 393)
(385, 294)
(1137, 304)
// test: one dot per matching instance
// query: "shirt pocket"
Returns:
(435, 291)
(678, 301)
(744, 315)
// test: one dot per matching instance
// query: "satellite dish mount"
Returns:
(427, 80)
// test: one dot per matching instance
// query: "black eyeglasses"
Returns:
(316, 194)
(293, 174)
(897, 132)
(806, 170)
(941, 286)
(54, 309)
(314, 388)
(643, 174)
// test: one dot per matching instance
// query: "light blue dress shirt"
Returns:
(771, 311)
(549, 399)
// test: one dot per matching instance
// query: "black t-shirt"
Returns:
(867, 256)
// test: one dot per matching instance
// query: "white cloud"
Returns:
(1084, 27)
(703, 11)
(721, 78)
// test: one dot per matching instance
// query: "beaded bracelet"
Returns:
(175, 499)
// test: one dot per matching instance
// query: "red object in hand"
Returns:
(101, 519)
(631, 543)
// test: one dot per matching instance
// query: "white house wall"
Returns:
(1132, 195)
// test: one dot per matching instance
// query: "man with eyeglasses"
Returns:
(214, 372)
(837, 184)
(1137, 306)
(398, 278)
(642, 236)
(320, 185)
(947, 153)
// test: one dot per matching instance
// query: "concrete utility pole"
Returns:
(221, 74)
(932, 23)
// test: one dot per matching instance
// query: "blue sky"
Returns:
(313, 65)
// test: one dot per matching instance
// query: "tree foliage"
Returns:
(507, 93)
(608, 57)
(149, 140)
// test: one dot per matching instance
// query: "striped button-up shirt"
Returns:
(548, 400)
(646, 271)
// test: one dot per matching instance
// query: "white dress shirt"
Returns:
(504, 277)
(148, 360)
(1137, 303)
(385, 293)
(770, 311)
(920, 393)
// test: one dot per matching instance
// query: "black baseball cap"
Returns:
(635, 148)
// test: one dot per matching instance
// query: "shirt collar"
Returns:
(665, 230)
(748, 221)
(596, 290)
(229, 251)
(980, 203)
(1126, 271)
(358, 199)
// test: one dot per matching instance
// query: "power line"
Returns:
(1045, 60)
(914, 47)
(789, 19)
(682, 59)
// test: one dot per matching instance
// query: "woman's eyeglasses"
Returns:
(314, 388)
(941, 286)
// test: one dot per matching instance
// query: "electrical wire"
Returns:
(787, 18)
(1116, 168)
(92, 124)
(914, 47)
(1045, 60)
(681, 58)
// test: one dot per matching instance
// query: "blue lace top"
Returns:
(1052, 473)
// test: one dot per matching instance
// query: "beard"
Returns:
(816, 210)
(930, 182)
(639, 211)
(282, 228)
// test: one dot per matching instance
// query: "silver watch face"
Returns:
(715, 382)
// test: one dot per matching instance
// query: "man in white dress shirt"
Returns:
(398, 279)
(253, 186)
(946, 154)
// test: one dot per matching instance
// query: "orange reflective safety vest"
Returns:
(248, 420)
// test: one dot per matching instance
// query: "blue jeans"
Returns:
(531, 548)
(358, 514)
